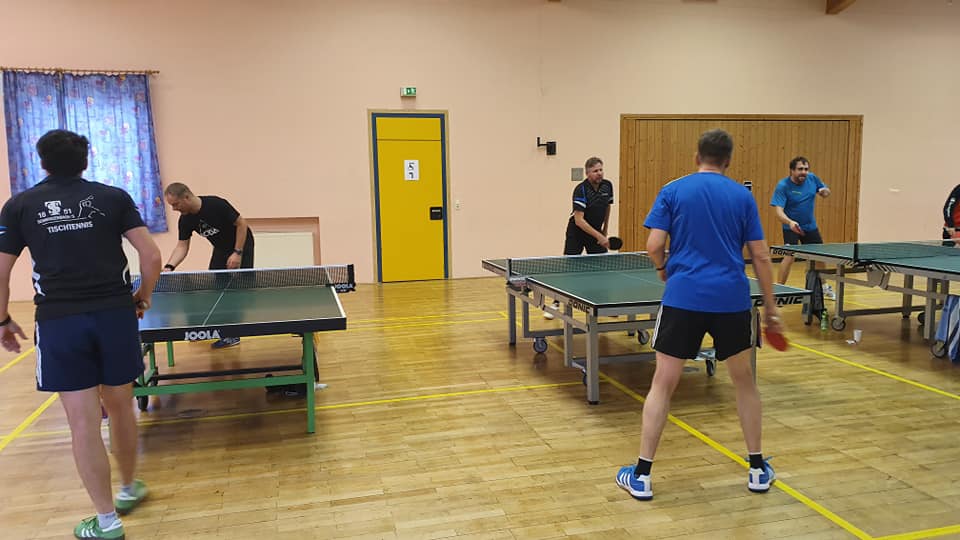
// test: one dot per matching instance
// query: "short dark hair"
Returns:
(177, 190)
(63, 152)
(798, 159)
(592, 162)
(715, 146)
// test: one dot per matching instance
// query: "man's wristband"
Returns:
(170, 266)
(238, 251)
(664, 267)
(6, 321)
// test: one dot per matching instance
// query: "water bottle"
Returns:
(823, 319)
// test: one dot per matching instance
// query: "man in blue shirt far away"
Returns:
(794, 199)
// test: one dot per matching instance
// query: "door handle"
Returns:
(436, 213)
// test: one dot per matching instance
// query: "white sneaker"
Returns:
(828, 293)
(549, 316)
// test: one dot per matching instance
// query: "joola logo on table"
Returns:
(199, 335)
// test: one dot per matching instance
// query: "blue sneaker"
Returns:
(637, 486)
(225, 342)
(760, 480)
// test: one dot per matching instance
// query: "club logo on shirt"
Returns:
(53, 207)
(59, 219)
(87, 208)
(207, 230)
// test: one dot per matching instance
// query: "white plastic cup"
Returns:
(857, 335)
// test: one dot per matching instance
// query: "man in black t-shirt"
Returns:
(219, 222)
(592, 200)
(587, 226)
(87, 337)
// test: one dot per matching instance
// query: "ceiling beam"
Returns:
(836, 6)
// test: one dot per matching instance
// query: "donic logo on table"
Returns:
(199, 335)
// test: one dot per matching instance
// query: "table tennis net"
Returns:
(579, 263)
(867, 251)
(338, 276)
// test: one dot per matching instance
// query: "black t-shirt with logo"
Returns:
(216, 221)
(74, 229)
(592, 202)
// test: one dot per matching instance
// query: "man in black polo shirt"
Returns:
(592, 200)
(219, 222)
(87, 337)
(587, 226)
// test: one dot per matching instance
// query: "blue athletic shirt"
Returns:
(797, 201)
(709, 218)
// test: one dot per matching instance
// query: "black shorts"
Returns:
(577, 241)
(680, 332)
(88, 349)
(218, 261)
(791, 238)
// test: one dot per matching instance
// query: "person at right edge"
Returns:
(951, 217)
(707, 291)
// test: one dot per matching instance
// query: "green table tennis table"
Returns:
(588, 287)
(195, 306)
(875, 263)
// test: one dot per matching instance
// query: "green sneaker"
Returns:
(126, 502)
(90, 528)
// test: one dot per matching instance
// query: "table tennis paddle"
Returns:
(615, 243)
(776, 340)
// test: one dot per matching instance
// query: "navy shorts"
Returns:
(679, 332)
(88, 349)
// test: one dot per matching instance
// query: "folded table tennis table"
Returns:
(592, 286)
(195, 306)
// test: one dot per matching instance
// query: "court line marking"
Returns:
(925, 533)
(13, 435)
(386, 319)
(876, 371)
(810, 503)
(806, 501)
(424, 324)
(18, 433)
(780, 484)
(16, 360)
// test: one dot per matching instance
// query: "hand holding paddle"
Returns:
(773, 331)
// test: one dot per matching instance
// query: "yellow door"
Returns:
(410, 196)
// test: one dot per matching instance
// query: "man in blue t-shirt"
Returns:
(794, 200)
(708, 218)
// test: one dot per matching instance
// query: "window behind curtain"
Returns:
(113, 111)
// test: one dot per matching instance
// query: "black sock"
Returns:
(643, 467)
(756, 461)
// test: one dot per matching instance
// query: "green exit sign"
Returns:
(408, 91)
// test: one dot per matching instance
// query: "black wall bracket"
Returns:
(551, 146)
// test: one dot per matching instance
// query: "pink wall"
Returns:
(266, 103)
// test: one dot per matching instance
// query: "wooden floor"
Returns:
(433, 427)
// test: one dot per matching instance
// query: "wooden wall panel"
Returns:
(655, 149)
